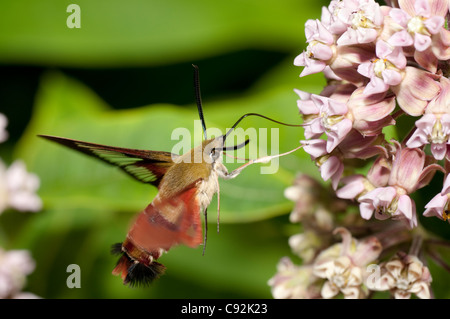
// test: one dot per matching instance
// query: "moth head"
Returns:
(212, 149)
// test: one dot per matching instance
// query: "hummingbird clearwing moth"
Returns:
(186, 184)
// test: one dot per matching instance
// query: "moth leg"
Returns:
(218, 204)
(205, 236)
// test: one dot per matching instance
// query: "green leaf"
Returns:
(138, 32)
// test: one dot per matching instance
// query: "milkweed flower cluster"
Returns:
(386, 66)
(17, 192)
(15, 265)
(17, 187)
(345, 255)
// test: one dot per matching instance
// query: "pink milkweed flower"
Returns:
(354, 186)
(324, 115)
(410, 171)
(357, 145)
(434, 126)
(416, 90)
(343, 265)
(438, 206)
(308, 195)
(364, 19)
(334, 18)
(403, 275)
(331, 165)
(344, 109)
(420, 23)
(385, 70)
(18, 188)
(387, 202)
(358, 185)
(315, 147)
(370, 114)
(432, 129)
(319, 49)
(346, 60)
(306, 244)
(322, 54)
(293, 282)
(15, 265)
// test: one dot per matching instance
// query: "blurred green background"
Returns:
(125, 79)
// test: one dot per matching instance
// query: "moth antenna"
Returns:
(198, 98)
(235, 147)
(260, 115)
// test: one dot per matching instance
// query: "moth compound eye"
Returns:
(214, 154)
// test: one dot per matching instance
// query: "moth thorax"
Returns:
(207, 189)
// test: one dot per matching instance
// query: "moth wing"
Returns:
(145, 166)
(168, 222)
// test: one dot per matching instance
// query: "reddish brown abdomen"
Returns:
(163, 224)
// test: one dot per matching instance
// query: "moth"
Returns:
(186, 184)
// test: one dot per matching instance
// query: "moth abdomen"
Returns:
(135, 272)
